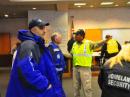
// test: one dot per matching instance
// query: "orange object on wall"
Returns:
(5, 45)
(93, 34)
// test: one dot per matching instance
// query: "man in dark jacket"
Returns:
(33, 74)
(114, 78)
(70, 44)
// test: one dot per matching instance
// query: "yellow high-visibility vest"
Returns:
(82, 55)
(112, 46)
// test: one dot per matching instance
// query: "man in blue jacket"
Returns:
(33, 74)
(57, 55)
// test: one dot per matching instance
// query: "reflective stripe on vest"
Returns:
(87, 55)
(82, 55)
(112, 46)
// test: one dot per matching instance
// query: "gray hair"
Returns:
(53, 36)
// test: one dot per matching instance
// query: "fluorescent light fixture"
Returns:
(79, 4)
(128, 2)
(6, 15)
(91, 6)
(116, 5)
(107, 3)
(34, 8)
(31, 0)
(42, 0)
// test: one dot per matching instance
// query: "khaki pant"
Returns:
(82, 77)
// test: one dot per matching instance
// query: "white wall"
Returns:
(121, 35)
(101, 18)
(12, 26)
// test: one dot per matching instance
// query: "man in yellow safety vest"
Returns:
(82, 60)
(110, 49)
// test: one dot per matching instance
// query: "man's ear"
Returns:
(34, 30)
(55, 38)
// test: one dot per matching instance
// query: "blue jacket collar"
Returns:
(53, 43)
(27, 35)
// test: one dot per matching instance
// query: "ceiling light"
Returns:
(91, 6)
(116, 5)
(6, 15)
(128, 2)
(106, 3)
(79, 4)
(34, 8)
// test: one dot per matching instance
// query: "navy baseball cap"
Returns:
(80, 32)
(38, 23)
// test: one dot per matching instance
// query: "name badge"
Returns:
(58, 56)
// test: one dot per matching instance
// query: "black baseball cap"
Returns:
(108, 36)
(80, 32)
(38, 23)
